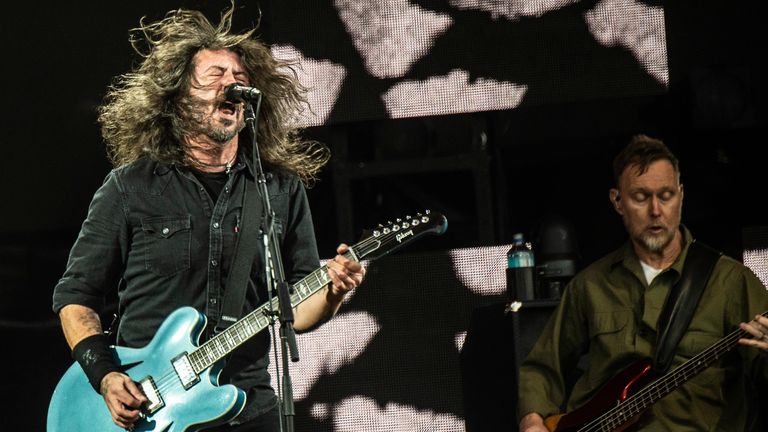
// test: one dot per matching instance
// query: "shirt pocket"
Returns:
(608, 324)
(168, 244)
(608, 335)
(705, 394)
(694, 342)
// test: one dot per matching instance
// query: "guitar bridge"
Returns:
(184, 371)
(154, 400)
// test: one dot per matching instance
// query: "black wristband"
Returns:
(96, 358)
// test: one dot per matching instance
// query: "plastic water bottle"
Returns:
(520, 270)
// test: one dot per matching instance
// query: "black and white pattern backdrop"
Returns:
(401, 58)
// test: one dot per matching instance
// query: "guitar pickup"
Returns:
(154, 400)
(184, 371)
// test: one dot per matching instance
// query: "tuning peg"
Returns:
(415, 222)
(427, 212)
(376, 233)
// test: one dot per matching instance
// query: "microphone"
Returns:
(237, 93)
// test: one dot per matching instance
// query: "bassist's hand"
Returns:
(758, 328)
(123, 398)
(532, 422)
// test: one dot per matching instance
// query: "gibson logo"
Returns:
(403, 235)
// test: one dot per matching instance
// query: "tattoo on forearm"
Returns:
(90, 321)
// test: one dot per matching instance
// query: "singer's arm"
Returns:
(345, 275)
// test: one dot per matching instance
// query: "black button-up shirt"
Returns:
(154, 234)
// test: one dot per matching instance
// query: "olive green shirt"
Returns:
(610, 313)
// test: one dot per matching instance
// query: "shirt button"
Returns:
(214, 263)
(215, 224)
(212, 301)
(166, 230)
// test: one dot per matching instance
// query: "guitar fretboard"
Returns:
(384, 240)
(664, 385)
(238, 333)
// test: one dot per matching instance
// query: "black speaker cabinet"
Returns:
(497, 342)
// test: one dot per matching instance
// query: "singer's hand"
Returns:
(123, 398)
(345, 273)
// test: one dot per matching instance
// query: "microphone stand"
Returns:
(275, 275)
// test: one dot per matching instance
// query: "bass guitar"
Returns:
(621, 402)
(180, 377)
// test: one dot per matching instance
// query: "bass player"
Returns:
(611, 311)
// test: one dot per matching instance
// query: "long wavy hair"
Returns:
(144, 110)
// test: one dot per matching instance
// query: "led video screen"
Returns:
(400, 58)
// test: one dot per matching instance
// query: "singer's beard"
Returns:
(221, 131)
(199, 119)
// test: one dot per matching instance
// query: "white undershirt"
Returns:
(650, 272)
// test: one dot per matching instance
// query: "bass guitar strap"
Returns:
(682, 301)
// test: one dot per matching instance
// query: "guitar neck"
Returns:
(383, 240)
(238, 333)
(666, 384)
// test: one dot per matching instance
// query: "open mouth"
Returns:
(228, 108)
(655, 229)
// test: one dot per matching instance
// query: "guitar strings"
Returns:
(168, 378)
(636, 404)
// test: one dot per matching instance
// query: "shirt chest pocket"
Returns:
(694, 342)
(608, 324)
(608, 340)
(167, 245)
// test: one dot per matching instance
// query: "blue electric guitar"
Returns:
(180, 378)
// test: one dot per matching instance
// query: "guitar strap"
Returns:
(242, 260)
(682, 301)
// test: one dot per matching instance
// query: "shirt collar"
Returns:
(162, 168)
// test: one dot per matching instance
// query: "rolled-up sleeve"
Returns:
(97, 258)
